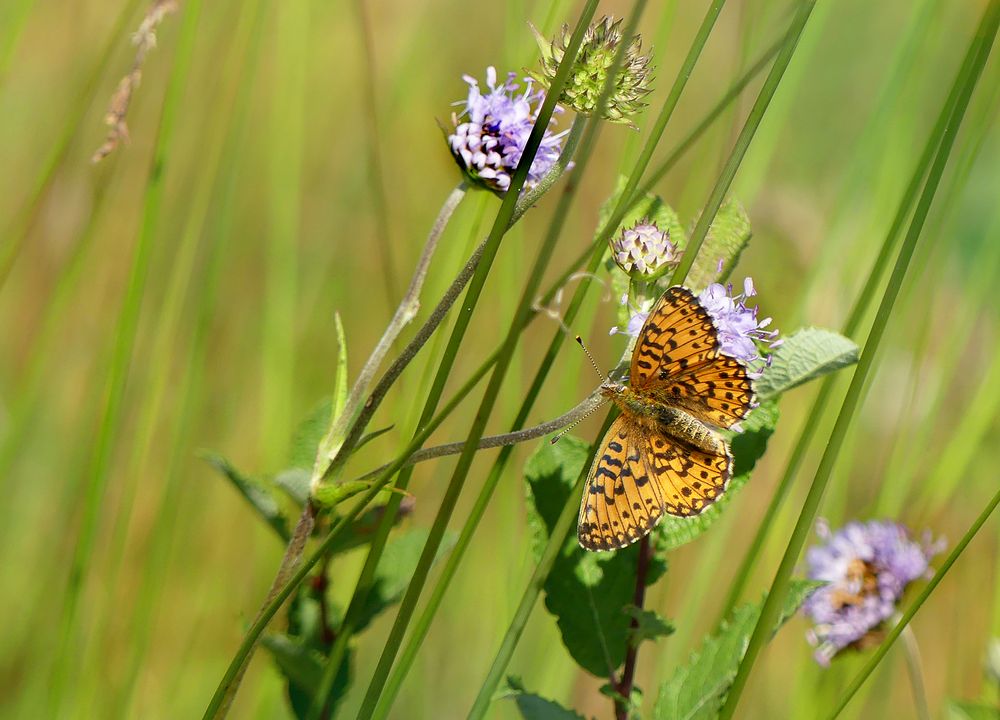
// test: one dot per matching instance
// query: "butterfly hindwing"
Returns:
(639, 475)
(719, 392)
(621, 502)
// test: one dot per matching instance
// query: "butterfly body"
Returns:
(658, 416)
(662, 454)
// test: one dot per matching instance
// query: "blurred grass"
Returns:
(241, 345)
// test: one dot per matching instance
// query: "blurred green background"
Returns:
(263, 217)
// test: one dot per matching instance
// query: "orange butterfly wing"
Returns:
(677, 361)
(638, 476)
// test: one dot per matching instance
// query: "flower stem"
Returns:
(625, 684)
(521, 314)
(961, 92)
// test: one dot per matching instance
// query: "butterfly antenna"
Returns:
(573, 424)
(592, 361)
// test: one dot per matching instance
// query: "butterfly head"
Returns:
(612, 389)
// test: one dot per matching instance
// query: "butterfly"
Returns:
(662, 454)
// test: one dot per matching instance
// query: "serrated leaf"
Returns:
(258, 496)
(965, 710)
(309, 434)
(808, 354)
(302, 667)
(651, 625)
(395, 569)
(535, 707)
(747, 447)
(587, 592)
(728, 235)
(698, 689)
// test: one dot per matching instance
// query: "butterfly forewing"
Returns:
(677, 362)
(677, 335)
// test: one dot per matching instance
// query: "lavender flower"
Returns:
(489, 143)
(737, 325)
(739, 329)
(867, 567)
(644, 251)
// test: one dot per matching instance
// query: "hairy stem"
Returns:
(627, 680)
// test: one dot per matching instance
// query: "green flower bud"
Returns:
(590, 71)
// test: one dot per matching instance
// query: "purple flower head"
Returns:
(644, 251)
(490, 134)
(637, 319)
(737, 325)
(866, 566)
(739, 329)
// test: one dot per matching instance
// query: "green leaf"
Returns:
(748, 447)
(965, 710)
(309, 434)
(535, 707)
(651, 625)
(808, 354)
(698, 689)
(302, 667)
(398, 562)
(588, 593)
(727, 236)
(259, 497)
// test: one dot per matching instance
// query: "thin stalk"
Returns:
(500, 226)
(164, 524)
(516, 627)
(98, 468)
(376, 178)
(284, 218)
(555, 545)
(156, 386)
(918, 601)
(14, 236)
(625, 684)
(750, 127)
(523, 314)
(964, 85)
(859, 311)
(915, 669)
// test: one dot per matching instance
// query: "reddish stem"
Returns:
(624, 685)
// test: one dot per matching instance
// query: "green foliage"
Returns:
(309, 434)
(806, 355)
(727, 236)
(650, 625)
(260, 498)
(302, 667)
(535, 707)
(588, 593)
(698, 689)
(747, 447)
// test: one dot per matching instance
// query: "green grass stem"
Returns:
(955, 106)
